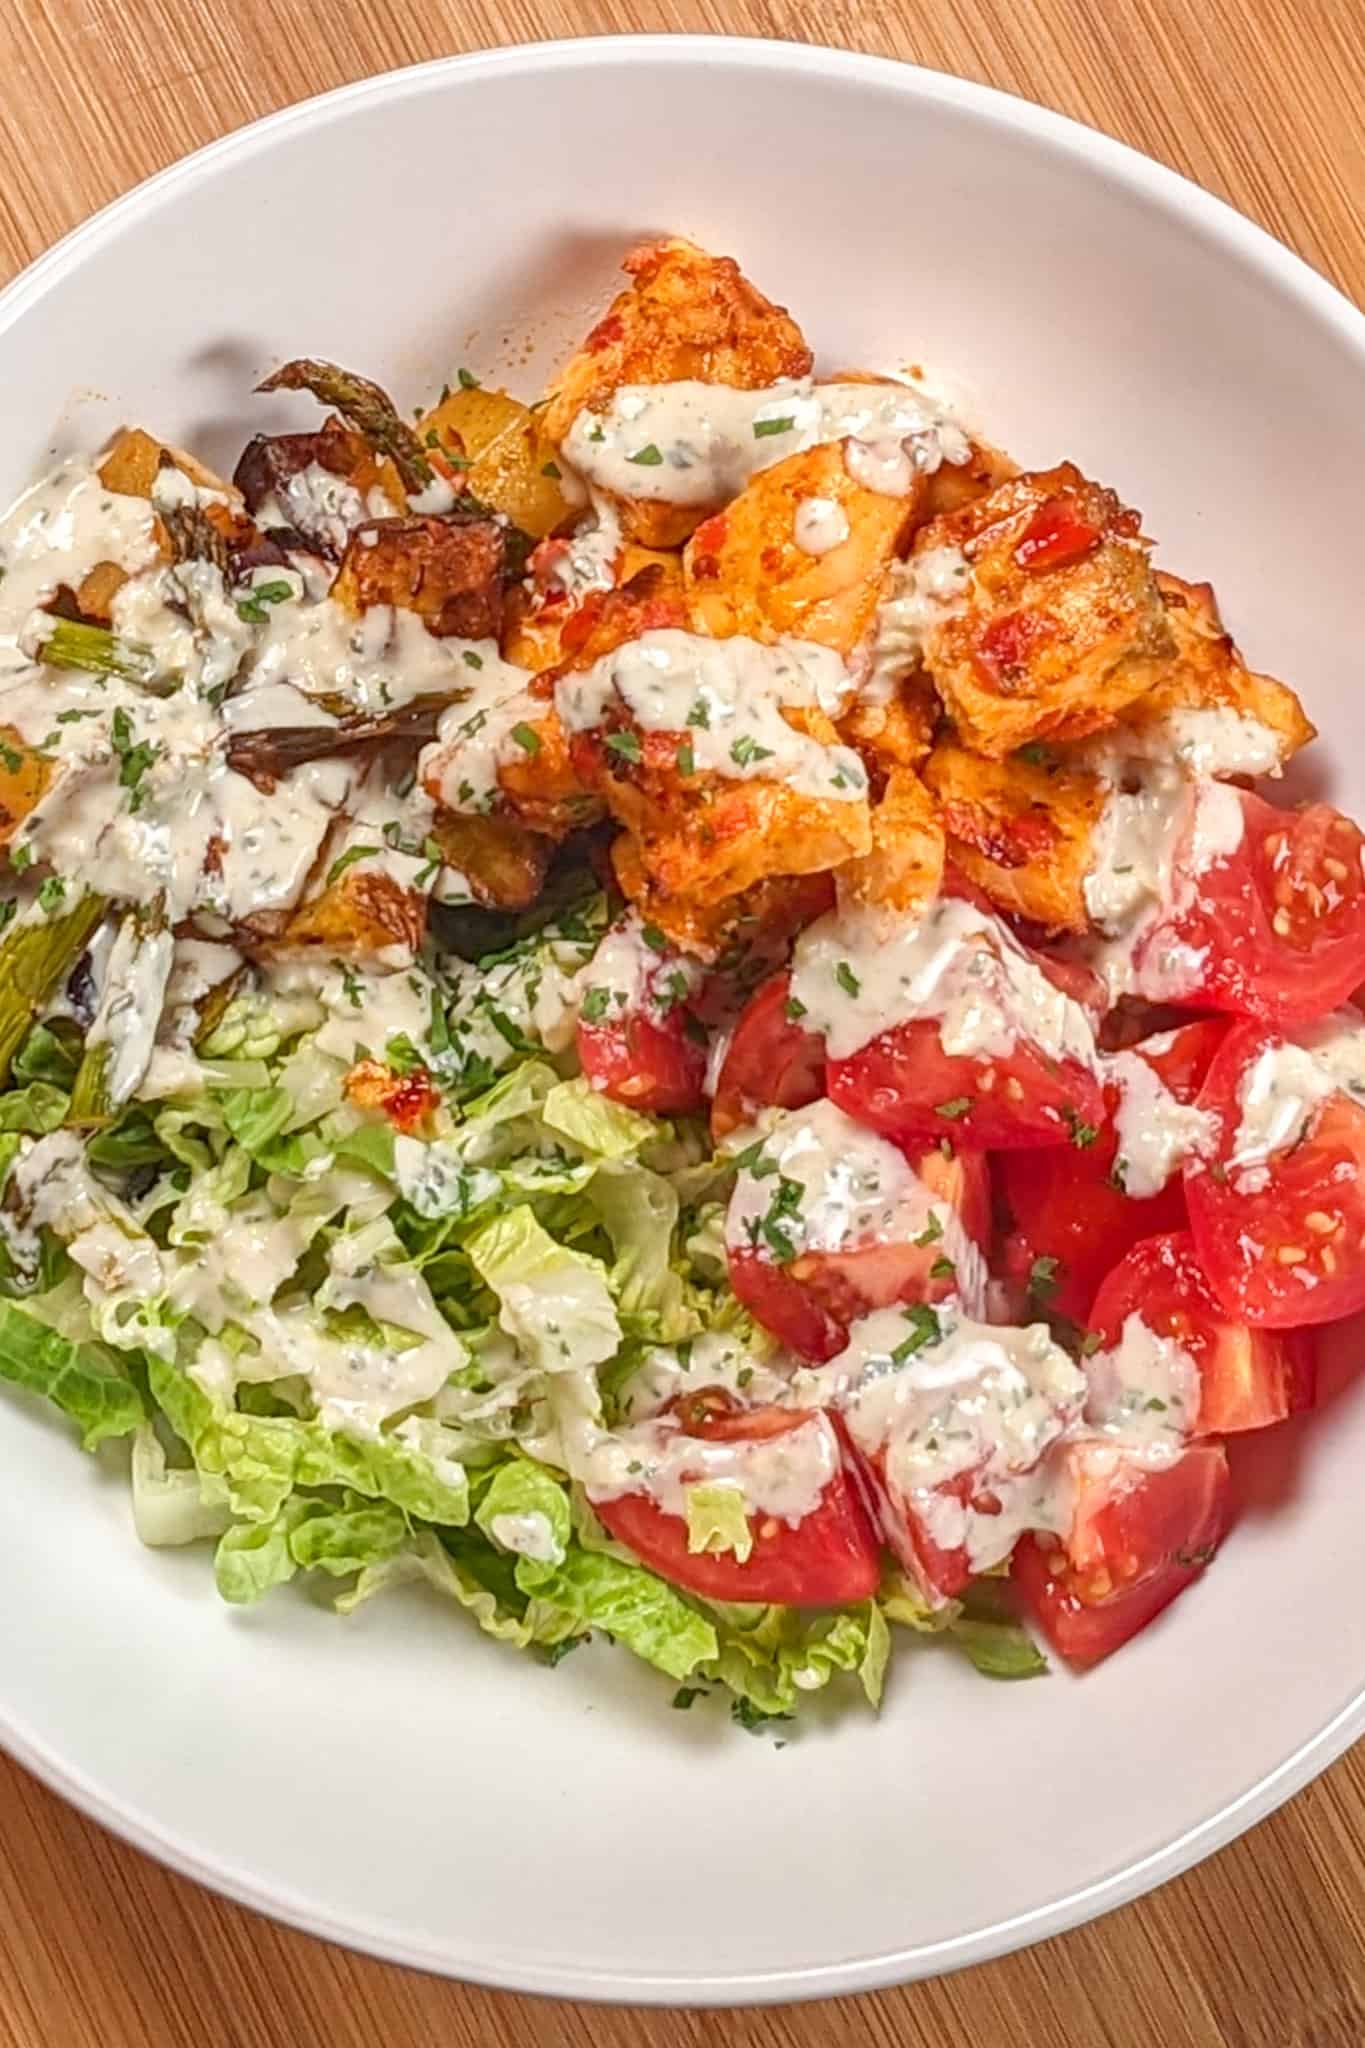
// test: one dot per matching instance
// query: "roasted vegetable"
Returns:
(267, 752)
(502, 862)
(1060, 625)
(903, 867)
(502, 454)
(24, 775)
(448, 570)
(1022, 829)
(73, 644)
(134, 460)
(35, 958)
(273, 476)
(747, 570)
(361, 915)
(367, 407)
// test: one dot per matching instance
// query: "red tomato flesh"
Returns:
(1247, 1378)
(1280, 923)
(649, 1052)
(829, 1557)
(772, 1062)
(906, 1086)
(1280, 1243)
(1138, 1538)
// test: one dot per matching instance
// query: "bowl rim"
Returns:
(1293, 276)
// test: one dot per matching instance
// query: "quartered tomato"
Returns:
(809, 1301)
(645, 1046)
(906, 1086)
(1069, 1218)
(771, 1062)
(1279, 924)
(1281, 1231)
(830, 1556)
(1138, 1537)
(1247, 1378)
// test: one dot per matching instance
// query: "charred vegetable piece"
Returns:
(448, 570)
(368, 408)
(34, 960)
(317, 520)
(73, 644)
(267, 752)
(503, 864)
(118, 1045)
(504, 456)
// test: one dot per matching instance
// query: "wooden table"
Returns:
(1264, 1947)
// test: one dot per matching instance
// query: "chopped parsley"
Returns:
(746, 750)
(793, 1009)
(686, 759)
(624, 744)
(20, 857)
(656, 940)
(13, 761)
(763, 428)
(700, 715)
(134, 759)
(753, 1159)
(1044, 1278)
(1082, 1133)
(468, 381)
(551, 470)
(348, 859)
(527, 738)
(686, 1694)
(647, 457)
(847, 979)
(471, 659)
(943, 1269)
(51, 894)
(932, 1231)
(958, 1106)
(252, 607)
(925, 1328)
(595, 1004)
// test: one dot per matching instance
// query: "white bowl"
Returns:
(396, 1781)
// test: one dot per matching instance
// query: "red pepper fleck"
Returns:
(1055, 536)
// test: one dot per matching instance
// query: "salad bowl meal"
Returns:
(668, 992)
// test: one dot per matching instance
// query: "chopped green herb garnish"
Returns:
(468, 381)
(925, 1328)
(1082, 1133)
(1043, 1278)
(763, 428)
(527, 738)
(656, 940)
(348, 859)
(471, 659)
(746, 750)
(624, 744)
(958, 1106)
(794, 1009)
(647, 457)
(847, 979)
(686, 759)
(932, 1231)
(551, 470)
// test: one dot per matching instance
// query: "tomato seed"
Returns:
(987, 1081)
(1279, 924)
(1291, 1255)
(1320, 1223)
(1327, 1259)
(768, 1528)
(1014, 1089)
(1337, 869)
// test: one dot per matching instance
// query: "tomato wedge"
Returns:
(906, 1086)
(809, 1301)
(1278, 1212)
(1278, 925)
(771, 1061)
(1138, 1538)
(639, 1039)
(1069, 1216)
(827, 1558)
(1247, 1378)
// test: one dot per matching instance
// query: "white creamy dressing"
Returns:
(713, 1359)
(837, 1186)
(726, 697)
(1156, 1133)
(981, 1402)
(382, 659)
(1144, 1393)
(318, 504)
(587, 559)
(1207, 740)
(475, 737)
(351, 1009)
(781, 1476)
(820, 525)
(1283, 1086)
(858, 975)
(921, 592)
(135, 983)
(60, 530)
(688, 443)
(629, 973)
(528, 1535)
(48, 1184)
(1152, 843)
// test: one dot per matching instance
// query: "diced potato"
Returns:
(24, 776)
(448, 571)
(134, 458)
(1061, 626)
(903, 868)
(502, 454)
(96, 591)
(535, 620)
(1022, 829)
(504, 864)
(747, 570)
(686, 316)
(1208, 673)
(955, 484)
(363, 913)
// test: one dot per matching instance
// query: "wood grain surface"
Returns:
(1264, 1947)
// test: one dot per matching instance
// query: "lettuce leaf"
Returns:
(37, 1109)
(171, 1505)
(716, 1521)
(770, 1656)
(80, 1379)
(525, 1510)
(606, 1129)
(627, 1603)
(553, 1303)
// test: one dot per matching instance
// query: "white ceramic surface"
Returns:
(395, 1781)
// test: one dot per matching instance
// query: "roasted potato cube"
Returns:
(24, 776)
(955, 484)
(504, 864)
(134, 459)
(447, 570)
(276, 472)
(1021, 829)
(765, 566)
(686, 316)
(1061, 626)
(502, 454)
(1208, 674)
(96, 591)
(542, 625)
(362, 914)
(903, 868)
